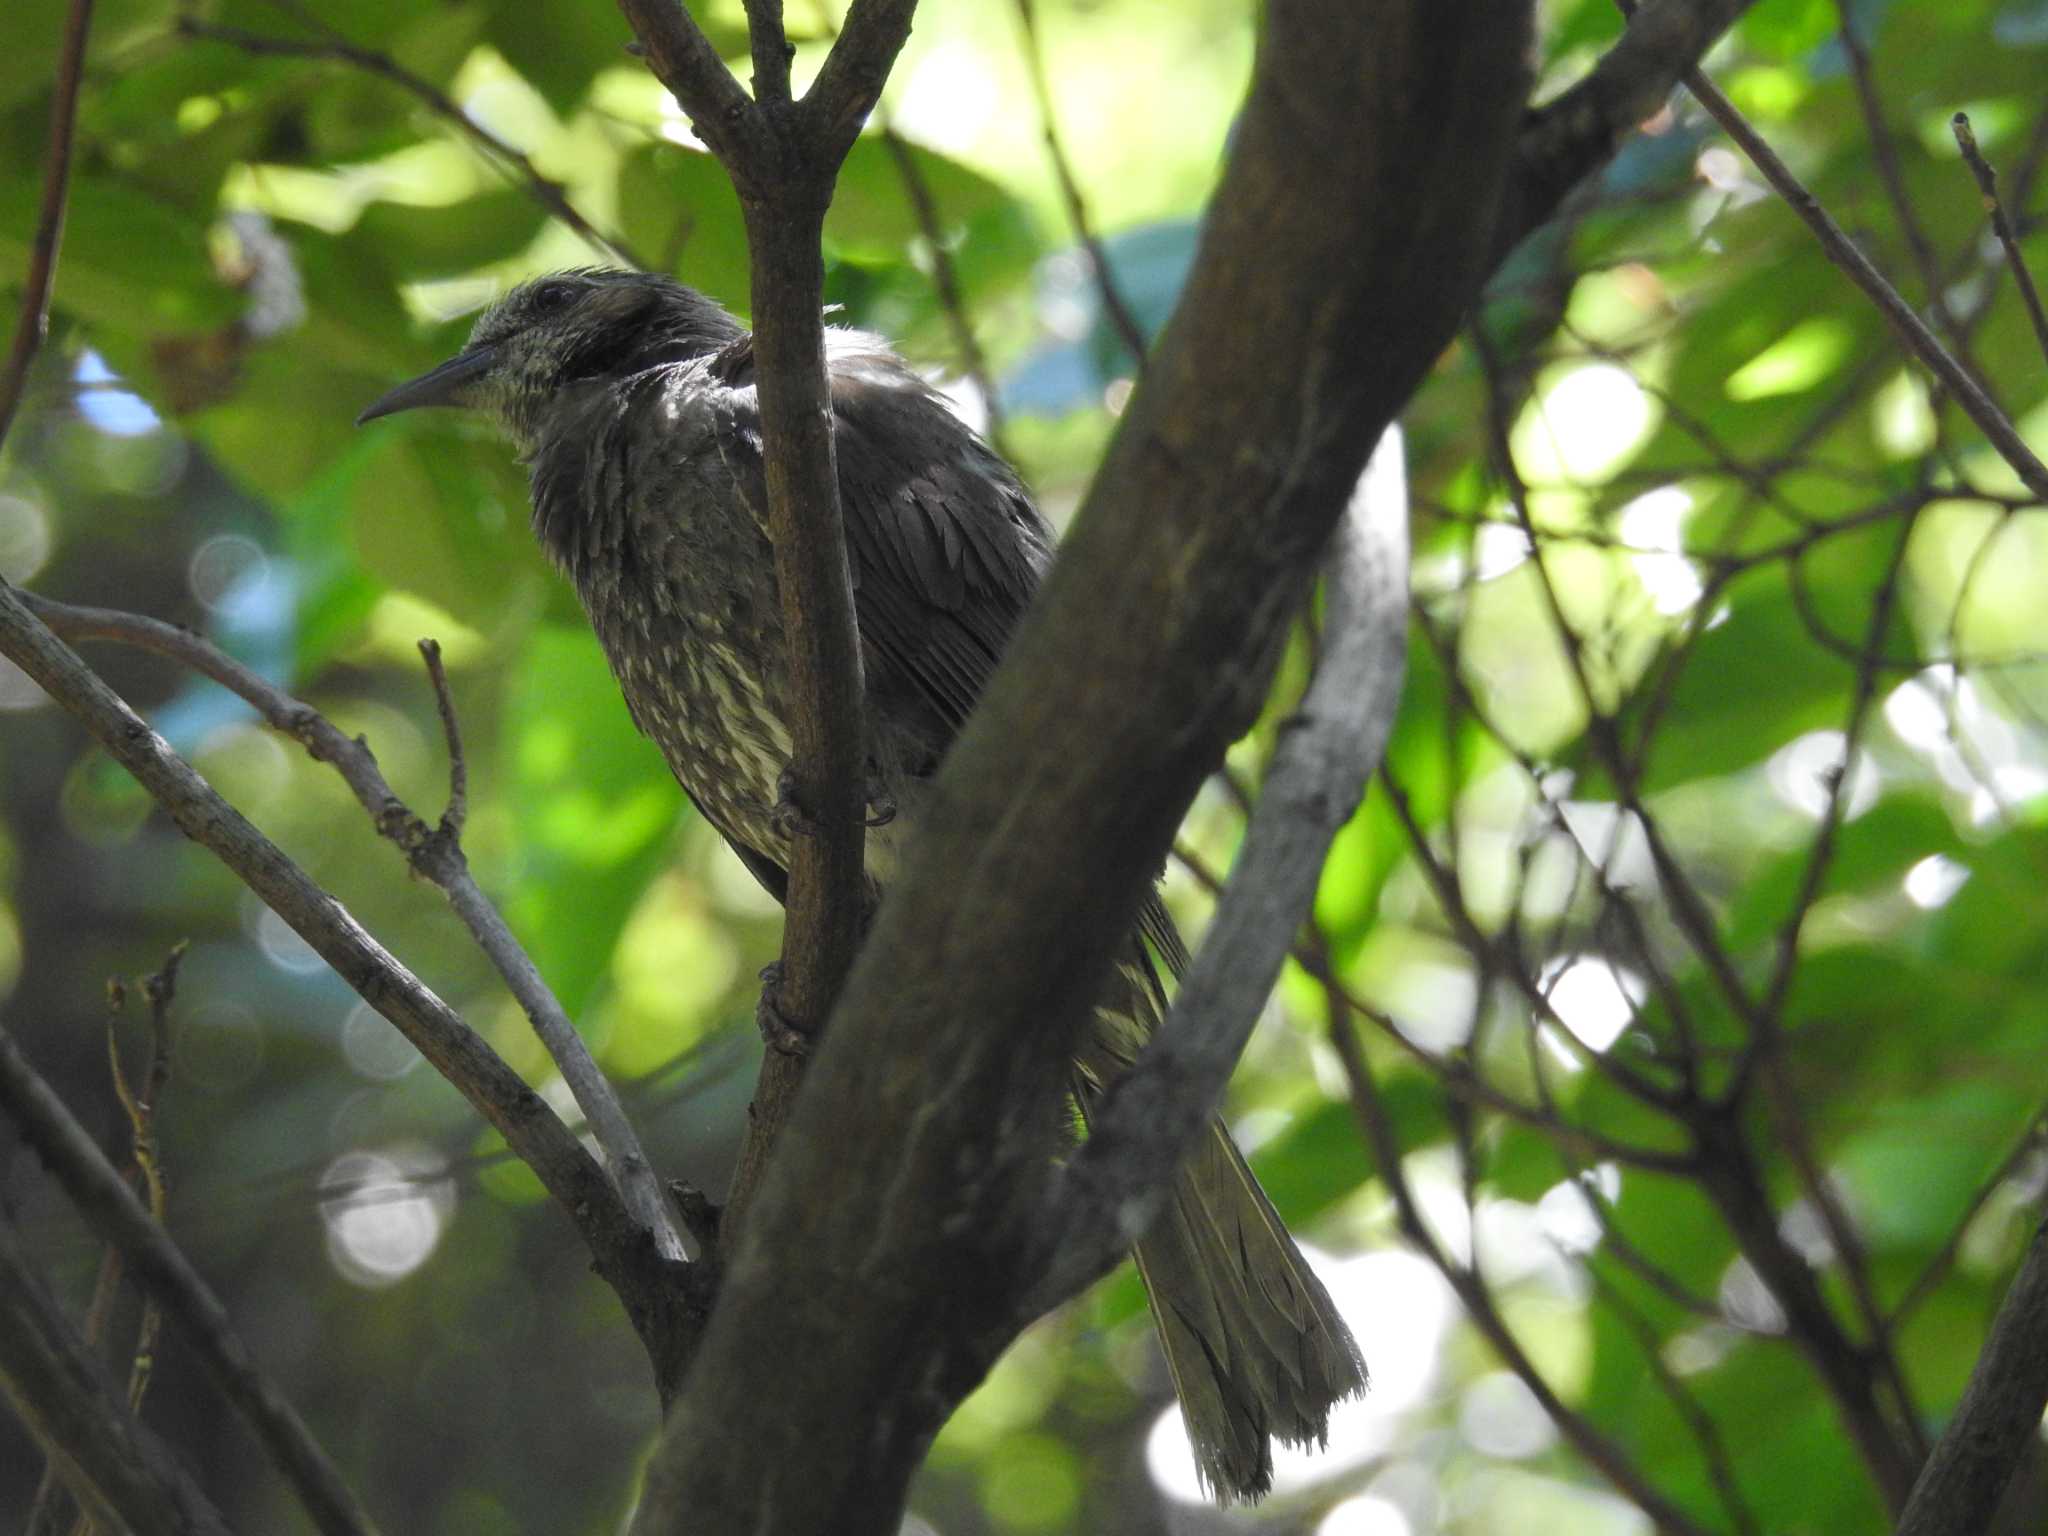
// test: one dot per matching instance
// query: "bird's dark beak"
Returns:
(444, 385)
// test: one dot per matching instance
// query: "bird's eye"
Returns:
(548, 297)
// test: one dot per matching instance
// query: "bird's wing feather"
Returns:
(945, 545)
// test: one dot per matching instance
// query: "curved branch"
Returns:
(1117, 1183)
(110, 1207)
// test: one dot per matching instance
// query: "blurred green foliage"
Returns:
(277, 212)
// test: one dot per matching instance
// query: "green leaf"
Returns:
(1712, 724)
(677, 208)
(456, 237)
(874, 214)
(593, 806)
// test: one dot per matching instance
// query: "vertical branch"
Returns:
(827, 774)
(784, 158)
(34, 325)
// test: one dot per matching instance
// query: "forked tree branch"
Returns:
(434, 853)
(878, 1271)
(623, 1253)
(783, 157)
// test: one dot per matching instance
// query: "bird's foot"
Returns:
(793, 820)
(778, 1030)
(788, 813)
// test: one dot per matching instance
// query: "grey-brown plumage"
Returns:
(631, 399)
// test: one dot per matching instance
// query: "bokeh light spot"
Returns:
(384, 1213)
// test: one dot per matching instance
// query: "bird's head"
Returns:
(544, 337)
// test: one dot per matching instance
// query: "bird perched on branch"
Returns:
(631, 399)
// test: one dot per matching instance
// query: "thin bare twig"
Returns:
(946, 279)
(2001, 225)
(140, 1105)
(34, 324)
(49, 1510)
(1456, 1076)
(517, 1113)
(1928, 1281)
(1114, 305)
(451, 732)
(1885, 153)
(1705, 1432)
(1990, 419)
(1601, 1453)
(1764, 1054)
(335, 49)
(105, 1200)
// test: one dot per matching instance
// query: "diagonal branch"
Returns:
(1118, 1182)
(1108, 290)
(850, 81)
(110, 1207)
(684, 60)
(336, 49)
(1911, 330)
(1959, 1489)
(2001, 226)
(113, 1465)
